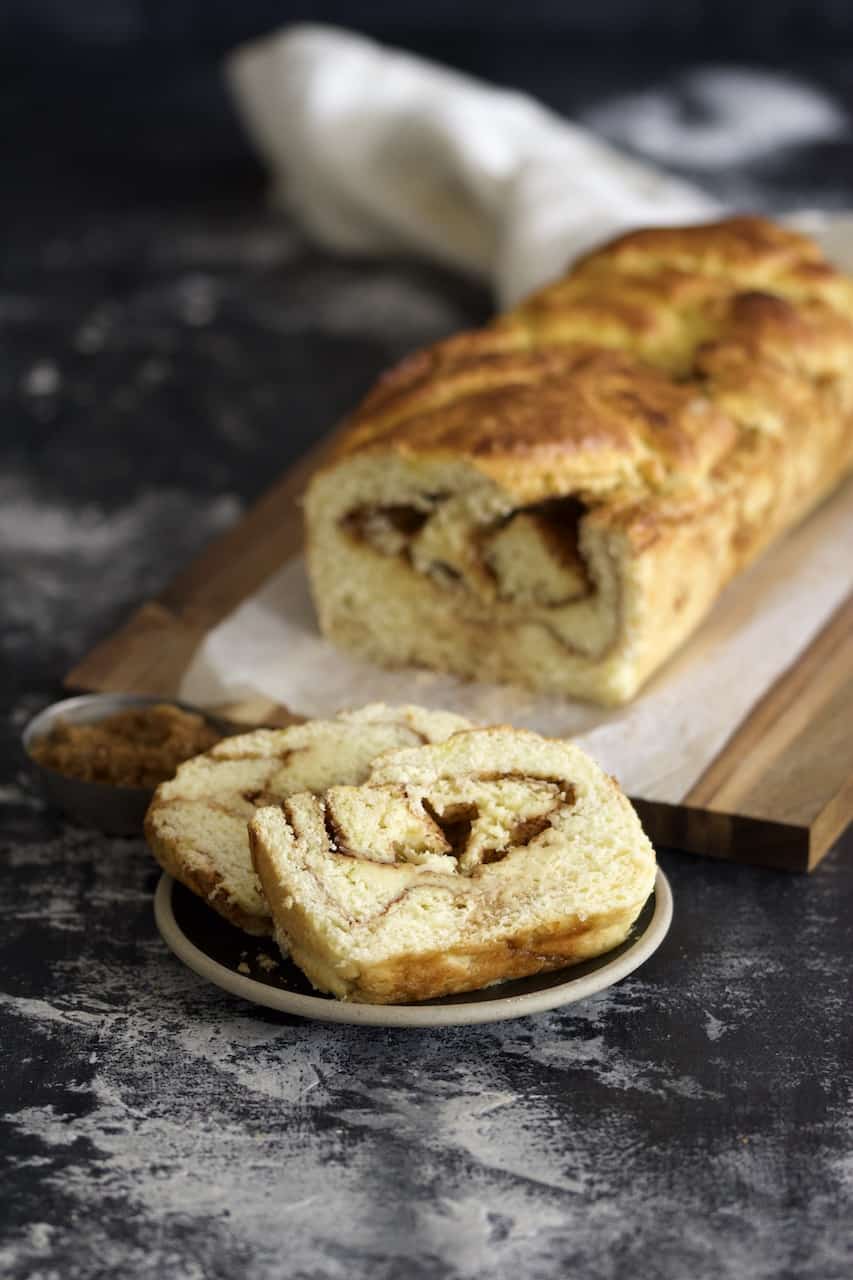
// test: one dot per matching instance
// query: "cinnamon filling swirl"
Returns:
(526, 566)
(531, 555)
(459, 825)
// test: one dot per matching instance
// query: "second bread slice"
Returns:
(492, 855)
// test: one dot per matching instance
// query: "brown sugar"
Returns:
(140, 747)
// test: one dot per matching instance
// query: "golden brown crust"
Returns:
(617, 371)
(202, 878)
(428, 976)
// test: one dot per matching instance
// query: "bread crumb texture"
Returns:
(494, 854)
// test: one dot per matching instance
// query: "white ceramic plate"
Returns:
(253, 968)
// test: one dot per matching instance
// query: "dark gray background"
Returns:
(167, 345)
(764, 28)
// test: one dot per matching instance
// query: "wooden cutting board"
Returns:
(778, 794)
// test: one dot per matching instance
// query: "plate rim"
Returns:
(321, 1008)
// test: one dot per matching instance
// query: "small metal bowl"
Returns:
(114, 810)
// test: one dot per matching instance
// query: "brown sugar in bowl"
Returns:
(99, 757)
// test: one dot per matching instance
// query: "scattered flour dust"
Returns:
(232, 1138)
(224, 1132)
(43, 379)
(32, 523)
(51, 550)
(714, 1027)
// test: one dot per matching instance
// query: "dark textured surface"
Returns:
(756, 28)
(167, 347)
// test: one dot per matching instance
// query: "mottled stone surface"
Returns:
(167, 346)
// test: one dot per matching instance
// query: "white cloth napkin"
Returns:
(379, 151)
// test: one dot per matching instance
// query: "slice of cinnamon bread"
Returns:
(492, 855)
(196, 824)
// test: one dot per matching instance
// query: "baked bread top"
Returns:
(494, 854)
(646, 372)
(196, 824)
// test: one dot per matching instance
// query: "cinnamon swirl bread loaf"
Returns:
(196, 824)
(494, 854)
(557, 499)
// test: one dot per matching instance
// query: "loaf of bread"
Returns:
(492, 855)
(196, 824)
(557, 499)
